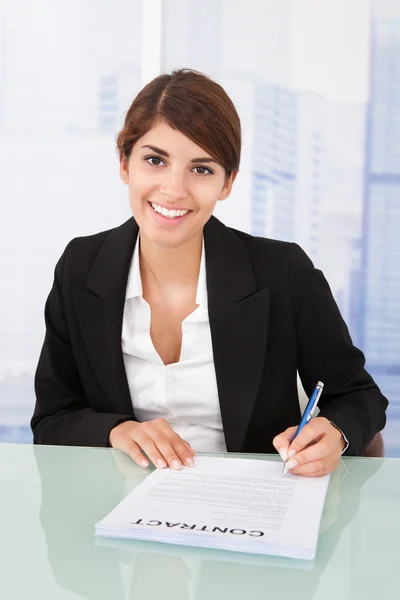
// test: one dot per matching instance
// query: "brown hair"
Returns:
(195, 105)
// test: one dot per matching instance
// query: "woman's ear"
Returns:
(226, 190)
(124, 170)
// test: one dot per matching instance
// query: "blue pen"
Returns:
(308, 413)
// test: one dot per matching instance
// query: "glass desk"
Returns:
(51, 497)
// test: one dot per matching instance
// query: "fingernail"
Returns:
(291, 453)
(161, 463)
(189, 461)
(283, 453)
(176, 464)
(291, 464)
(190, 447)
(144, 463)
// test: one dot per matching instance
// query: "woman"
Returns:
(173, 333)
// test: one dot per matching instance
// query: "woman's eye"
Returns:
(153, 158)
(204, 171)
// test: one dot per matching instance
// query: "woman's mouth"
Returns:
(171, 217)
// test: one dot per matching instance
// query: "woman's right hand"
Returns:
(162, 445)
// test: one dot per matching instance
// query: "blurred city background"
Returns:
(317, 87)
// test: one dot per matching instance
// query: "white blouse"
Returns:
(184, 393)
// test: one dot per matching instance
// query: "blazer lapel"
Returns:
(238, 314)
(100, 311)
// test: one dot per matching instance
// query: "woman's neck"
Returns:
(170, 270)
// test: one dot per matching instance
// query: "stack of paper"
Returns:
(235, 504)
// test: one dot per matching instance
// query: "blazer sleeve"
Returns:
(325, 352)
(62, 413)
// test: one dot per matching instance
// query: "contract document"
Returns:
(243, 505)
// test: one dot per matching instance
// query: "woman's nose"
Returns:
(174, 187)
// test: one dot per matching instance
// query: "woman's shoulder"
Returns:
(81, 252)
(282, 265)
(272, 250)
(259, 241)
(96, 240)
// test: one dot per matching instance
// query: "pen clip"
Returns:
(319, 389)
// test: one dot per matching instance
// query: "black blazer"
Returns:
(271, 313)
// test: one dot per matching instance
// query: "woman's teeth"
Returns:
(171, 214)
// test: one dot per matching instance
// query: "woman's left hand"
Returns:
(316, 451)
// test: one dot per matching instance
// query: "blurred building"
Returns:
(287, 162)
(355, 318)
(219, 36)
(274, 163)
(381, 240)
(380, 332)
(68, 72)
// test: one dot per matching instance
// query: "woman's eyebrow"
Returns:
(205, 159)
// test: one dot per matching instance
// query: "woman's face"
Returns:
(167, 171)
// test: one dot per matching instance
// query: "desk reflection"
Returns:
(84, 488)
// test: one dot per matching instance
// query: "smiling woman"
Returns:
(173, 333)
(193, 130)
(178, 188)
